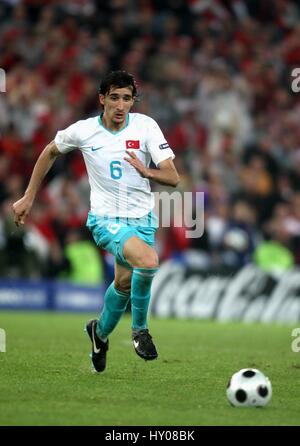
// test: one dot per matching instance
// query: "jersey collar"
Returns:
(111, 131)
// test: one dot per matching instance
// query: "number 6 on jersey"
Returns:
(115, 172)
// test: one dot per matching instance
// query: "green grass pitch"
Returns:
(46, 378)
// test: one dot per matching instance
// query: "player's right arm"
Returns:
(21, 208)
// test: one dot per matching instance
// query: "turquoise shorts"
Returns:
(110, 233)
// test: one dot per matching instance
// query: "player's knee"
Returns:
(148, 260)
(123, 285)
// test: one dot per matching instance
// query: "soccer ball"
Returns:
(249, 387)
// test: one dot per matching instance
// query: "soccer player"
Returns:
(117, 147)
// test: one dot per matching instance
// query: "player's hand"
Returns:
(21, 209)
(137, 164)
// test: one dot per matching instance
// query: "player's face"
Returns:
(117, 104)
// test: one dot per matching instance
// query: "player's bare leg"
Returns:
(140, 255)
(122, 278)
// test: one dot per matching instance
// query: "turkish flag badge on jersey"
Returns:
(131, 144)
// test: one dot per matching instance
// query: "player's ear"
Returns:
(101, 99)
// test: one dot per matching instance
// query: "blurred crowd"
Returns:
(216, 75)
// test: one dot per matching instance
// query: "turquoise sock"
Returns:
(115, 303)
(140, 296)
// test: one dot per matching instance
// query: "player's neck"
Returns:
(112, 126)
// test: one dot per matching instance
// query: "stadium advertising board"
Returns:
(248, 294)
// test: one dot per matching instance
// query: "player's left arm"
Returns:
(166, 172)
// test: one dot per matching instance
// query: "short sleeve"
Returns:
(157, 145)
(68, 139)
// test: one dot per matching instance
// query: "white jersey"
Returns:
(117, 189)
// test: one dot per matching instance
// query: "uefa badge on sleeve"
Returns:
(164, 146)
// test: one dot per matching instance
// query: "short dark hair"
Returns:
(119, 79)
